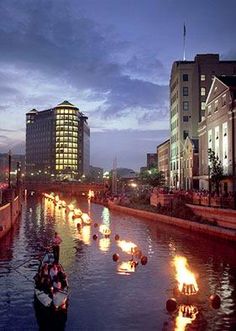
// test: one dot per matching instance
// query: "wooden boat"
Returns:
(51, 297)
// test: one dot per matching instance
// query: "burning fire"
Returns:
(104, 230)
(71, 207)
(187, 283)
(85, 218)
(186, 315)
(127, 246)
(77, 212)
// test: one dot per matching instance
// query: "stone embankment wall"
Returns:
(224, 217)
(213, 231)
(9, 214)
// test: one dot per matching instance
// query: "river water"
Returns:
(104, 296)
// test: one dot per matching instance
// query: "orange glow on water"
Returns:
(186, 315)
(125, 268)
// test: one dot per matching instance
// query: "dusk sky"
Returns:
(111, 58)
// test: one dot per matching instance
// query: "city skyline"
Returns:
(113, 60)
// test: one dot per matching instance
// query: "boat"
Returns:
(52, 298)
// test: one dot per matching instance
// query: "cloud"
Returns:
(48, 41)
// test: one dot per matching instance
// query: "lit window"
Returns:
(209, 109)
(203, 105)
(185, 105)
(203, 78)
(203, 91)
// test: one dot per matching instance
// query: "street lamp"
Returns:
(209, 185)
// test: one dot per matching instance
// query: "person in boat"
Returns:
(56, 284)
(53, 271)
(61, 277)
(56, 246)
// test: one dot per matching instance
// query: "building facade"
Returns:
(217, 132)
(189, 86)
(151, 160)
(163, 157)
(189, 166)
(57, 143)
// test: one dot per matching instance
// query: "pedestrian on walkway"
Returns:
(56, 247)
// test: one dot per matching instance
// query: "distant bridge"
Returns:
(73, 188)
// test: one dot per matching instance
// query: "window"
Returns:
(209, 109)
(185, 134)
(185, 91)
(224, 100)
(216, 105)
(203, 91)
(185, 118)
(203, 78)
(185, 105)
(203, 105)
(185, 77)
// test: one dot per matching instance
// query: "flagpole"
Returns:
(184, 58)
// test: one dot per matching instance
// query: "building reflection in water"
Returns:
(106, 217)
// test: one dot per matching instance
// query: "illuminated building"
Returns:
(190, 83)
(217, 131)
(163, 157)
(57, 143)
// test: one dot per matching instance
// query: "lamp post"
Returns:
(209, 186)
(9, 169)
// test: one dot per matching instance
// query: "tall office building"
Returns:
(189, 86)
(57, 143)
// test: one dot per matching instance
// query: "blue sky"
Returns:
(110, 58)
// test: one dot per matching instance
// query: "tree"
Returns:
(152, 177)
(216, 170)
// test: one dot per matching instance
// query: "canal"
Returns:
(103, 294)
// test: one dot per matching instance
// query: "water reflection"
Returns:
(186, 315)
(104, 244)
(84, 234)
(95, 278)
(126, 268)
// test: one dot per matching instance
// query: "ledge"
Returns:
(210, 230)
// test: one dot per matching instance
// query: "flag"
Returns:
(184, 30)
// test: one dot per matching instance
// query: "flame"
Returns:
(125, 268)
(127, 246)
(63, 203)
(85, 218)
(186, 315)
(77, 212)
(57, 198)
(104, 230)
(187, 283)
(71, 207)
